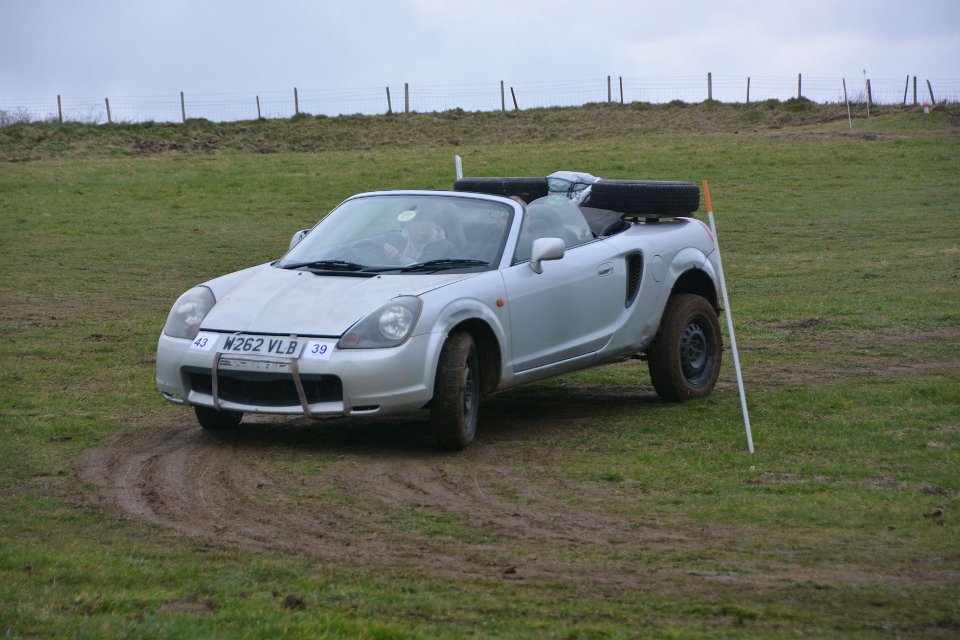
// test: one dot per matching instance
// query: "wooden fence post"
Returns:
(406, 97)
(914, 90)
(109, 118)
(514, 96)
(799, 86)
(389, 102)
(709, 86)
(748, 89)
(259, 117)
(183, 108)
(503, 98)
(847, 102)
(866, 85)
(59, 109)
(930, 91)
(609, 92)
(869, 95)
(906, 87)
(621, 89)
(296, 102)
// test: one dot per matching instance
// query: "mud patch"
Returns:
(366, 493)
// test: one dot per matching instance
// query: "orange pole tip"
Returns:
(706, 194)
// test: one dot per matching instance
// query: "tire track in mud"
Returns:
(352, 504)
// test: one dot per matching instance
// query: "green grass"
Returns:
(599, 512)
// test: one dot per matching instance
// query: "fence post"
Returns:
(869, 95)
(389, 103)
(514, 96)
(846, 100)
(748, 89)
(914, 90)
(906, 88)
(503, 98)
(930, 90)
(183, 108)
(107, 102)
(259, 117)
(296, 102)
(609, 92)
(59, 109)
(406, 97)
(866, 85)
(799, 86)
(709, 86)
(621, 89)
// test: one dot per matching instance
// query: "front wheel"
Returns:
(213, 420)
(684, 358)
(455, 408)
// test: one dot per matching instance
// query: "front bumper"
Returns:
(351, 382)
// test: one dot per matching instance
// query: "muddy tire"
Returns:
(213, 420)
(454, 411)
(684, 358)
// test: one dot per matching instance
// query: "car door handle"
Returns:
(605, 269)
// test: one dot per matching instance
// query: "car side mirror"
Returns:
(297, 237)
(545, 249)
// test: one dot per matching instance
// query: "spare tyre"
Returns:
(527, 188)
(646, 198)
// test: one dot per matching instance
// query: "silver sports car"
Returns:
(403, 300)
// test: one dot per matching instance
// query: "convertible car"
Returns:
(398, 301)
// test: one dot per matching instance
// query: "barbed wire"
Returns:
(224, 107)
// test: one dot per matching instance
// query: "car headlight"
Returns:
(188, 312)
(388, 326)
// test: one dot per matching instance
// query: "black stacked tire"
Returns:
(528, 189)
(645, 198)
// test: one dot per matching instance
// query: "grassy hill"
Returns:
(586, 508)
(449, 129)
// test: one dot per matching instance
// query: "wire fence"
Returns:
(404, 98)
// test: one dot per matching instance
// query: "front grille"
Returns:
(265, 389)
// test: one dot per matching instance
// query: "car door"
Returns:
(569, 310)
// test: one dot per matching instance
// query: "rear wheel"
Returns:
(214, 420)
(684, 358)
(455, 409)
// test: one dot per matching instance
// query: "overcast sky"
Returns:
(151, 47)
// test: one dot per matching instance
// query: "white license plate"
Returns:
(261, 345)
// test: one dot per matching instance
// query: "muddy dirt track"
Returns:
(377, 494)
(376, 491)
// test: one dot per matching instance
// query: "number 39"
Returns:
(319, 349)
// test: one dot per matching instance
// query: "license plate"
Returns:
(261, 345)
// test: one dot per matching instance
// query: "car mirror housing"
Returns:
(297, 237)
(545, 249)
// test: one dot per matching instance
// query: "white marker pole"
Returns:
(726, 307)
(458, 163)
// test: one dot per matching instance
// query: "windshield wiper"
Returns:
(328, 265)
(444, 263)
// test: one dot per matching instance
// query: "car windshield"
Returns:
(405, 233)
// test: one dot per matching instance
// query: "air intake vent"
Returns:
(634, 275)
(265, 389)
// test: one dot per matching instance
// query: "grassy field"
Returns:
(587, 508)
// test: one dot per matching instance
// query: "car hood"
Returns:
(283, 301)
